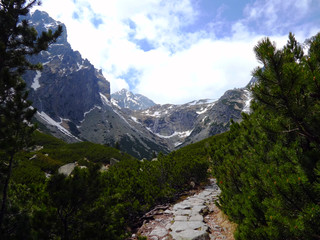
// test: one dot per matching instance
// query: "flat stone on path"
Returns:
(196, 218)
(191, 234)
(159, 232)
(181, 218)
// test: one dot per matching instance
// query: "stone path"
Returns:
(191, 218)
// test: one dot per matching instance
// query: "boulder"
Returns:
(67, 168)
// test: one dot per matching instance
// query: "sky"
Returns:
(177, 51)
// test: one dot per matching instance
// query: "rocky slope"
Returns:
(180, 125)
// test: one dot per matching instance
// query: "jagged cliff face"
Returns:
(68, 86)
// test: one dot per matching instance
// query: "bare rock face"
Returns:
(68, 86)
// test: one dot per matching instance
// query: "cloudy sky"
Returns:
(176, 51)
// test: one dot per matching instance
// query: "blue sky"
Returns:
(176, 51)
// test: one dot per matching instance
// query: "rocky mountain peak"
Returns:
(126, 99)
(68, 86)
(41, 21)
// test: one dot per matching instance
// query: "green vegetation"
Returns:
(92, 204)
(16, 42)
(268, 166)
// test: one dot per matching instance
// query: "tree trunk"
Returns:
(5, 193)
(65, 226)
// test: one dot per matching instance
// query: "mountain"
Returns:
(126, 99)
(72, 99)
(73, 102)
(69, 85)
(181, 125)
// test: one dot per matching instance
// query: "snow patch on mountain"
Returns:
(201, 101)
(36, 84)
(87, 112)
(204, 118)
(115, 103)
(125, 120)
(246, 108)
(80, 66)
(104, 100)
(50, 121)
(203, 110)
(157, 113)
(50, 25)
(179, 134)
(135, 120)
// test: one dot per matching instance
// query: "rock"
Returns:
(67, 169)
(167, 211)
(104, 168)
(196, 218)
(182, 205)
(33, 157)
(199, 208)
(190, 234)
(181, 218)
(180, 226)
(113, 161)
(159, 232)
(183, 212)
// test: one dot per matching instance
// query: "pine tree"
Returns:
(268, 166)
(17, 41)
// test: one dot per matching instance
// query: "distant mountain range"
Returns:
(74, 103)
(180, 125)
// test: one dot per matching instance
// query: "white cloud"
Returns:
(275, 16)
(205, 70)
(182, 66)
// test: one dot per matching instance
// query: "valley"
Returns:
(78, 161)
